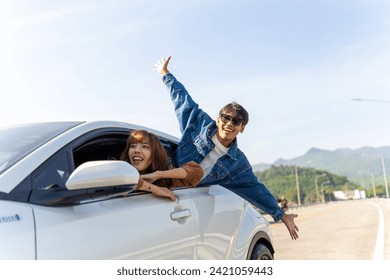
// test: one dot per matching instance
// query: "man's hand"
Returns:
(162, 66)
(288, 220)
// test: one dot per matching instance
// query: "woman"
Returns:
(146, 153)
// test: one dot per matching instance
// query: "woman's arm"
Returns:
(156, 190)
(188, 175)
(176, 173)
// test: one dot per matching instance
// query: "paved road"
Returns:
(350, 230)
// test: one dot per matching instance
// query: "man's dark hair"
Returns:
(237, 110)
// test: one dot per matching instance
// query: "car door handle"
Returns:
(180, 214)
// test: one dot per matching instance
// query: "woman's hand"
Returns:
(156, 190)
(165, 192)
(151, 177)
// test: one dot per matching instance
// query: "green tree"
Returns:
(281, 181)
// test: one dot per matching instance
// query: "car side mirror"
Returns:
(102, 173)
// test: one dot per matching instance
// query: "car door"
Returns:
(139, 226)
(103, 224)
(219, 215)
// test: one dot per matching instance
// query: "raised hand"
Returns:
(162, 66)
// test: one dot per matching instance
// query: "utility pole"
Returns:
(384, 177)
(297, 185)
(316, 185)
(373, 184)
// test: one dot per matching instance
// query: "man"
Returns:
(213, 144)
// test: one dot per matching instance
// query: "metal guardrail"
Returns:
(293, 207)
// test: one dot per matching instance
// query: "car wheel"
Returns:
(261, 252)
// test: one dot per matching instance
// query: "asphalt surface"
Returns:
(348, 230)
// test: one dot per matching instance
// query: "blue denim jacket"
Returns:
(232, 171)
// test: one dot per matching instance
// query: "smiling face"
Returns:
(145, 152)
(227, 131)
(232, 120)
(140, 155)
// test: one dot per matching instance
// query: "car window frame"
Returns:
(91, 195)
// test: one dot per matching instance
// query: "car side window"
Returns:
(52, 174)
(48, 180)
(106, 146)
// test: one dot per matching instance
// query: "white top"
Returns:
(208, 162)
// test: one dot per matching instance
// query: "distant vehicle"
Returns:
(65, 195)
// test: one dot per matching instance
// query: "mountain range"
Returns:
(361, 166)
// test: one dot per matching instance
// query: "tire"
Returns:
(261, 252)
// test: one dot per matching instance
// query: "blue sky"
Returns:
(293, 64)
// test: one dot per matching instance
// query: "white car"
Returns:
(65, 195)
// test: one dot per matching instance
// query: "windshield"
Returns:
(19, 140)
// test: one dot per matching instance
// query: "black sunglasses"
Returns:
(226, 118)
